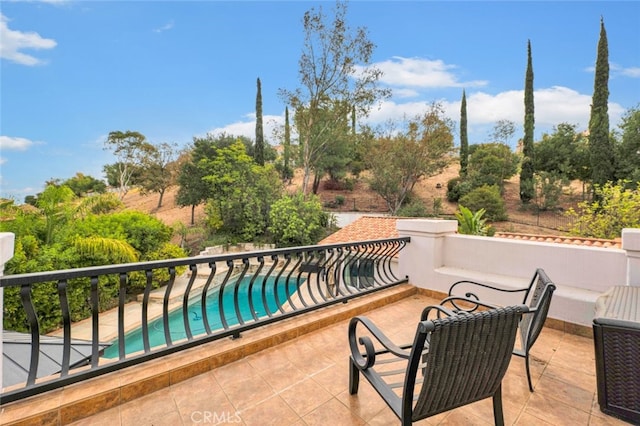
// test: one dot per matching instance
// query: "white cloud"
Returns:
(270, 123)
(633, 72)
(553, 106)
(421, 73)
(2, 161)
(165, 27)
(14, 41)
(14, 144)
(615, 70)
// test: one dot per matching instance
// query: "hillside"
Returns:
(366, 200)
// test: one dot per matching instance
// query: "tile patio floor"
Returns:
(304, 382)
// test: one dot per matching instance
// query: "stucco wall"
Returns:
(437, 257)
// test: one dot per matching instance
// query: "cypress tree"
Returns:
(259, 151)
(353, 120)
(526, 172)
(287, 140)
(600, 146)
(464, 140)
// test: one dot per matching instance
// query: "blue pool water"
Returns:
(133, 340)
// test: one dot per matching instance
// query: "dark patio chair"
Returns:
(537, 296)
(465, 360)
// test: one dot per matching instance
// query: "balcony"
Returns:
(292, 368)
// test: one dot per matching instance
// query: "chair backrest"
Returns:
(539, 302)
(467, 359)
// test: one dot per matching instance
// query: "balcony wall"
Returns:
(437, 257)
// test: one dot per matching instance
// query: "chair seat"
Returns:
(465, 360)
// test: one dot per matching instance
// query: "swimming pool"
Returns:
(133, 341)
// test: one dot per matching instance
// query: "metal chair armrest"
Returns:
(475, 304)
(367, 360)
(471, 295)
(439, 309)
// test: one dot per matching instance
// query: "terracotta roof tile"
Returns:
(580, 241)
(365, 228)
(380, 227)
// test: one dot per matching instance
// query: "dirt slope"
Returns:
(367, 200)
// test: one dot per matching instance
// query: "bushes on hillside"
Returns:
(488, 198)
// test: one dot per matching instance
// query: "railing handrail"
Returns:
(27, 278)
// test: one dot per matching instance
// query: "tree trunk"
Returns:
(305, 179)
(160, 199)
(316, 182)
(193, 214)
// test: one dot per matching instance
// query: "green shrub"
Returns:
(488, 198)
(472, 223)
(457, 188)
(415, 208)
(614, 208)
(296, 221)
(548, 189)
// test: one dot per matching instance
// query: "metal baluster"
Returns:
(34, 327)
(66, 326)
(95, 324)
(205, 289)
(145, 310)
(185, 301)
(165, 306)
(121, 301)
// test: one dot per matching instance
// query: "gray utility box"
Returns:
(616, 335)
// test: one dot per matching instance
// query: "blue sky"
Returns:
(73, 71)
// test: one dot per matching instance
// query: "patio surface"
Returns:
(304, 382)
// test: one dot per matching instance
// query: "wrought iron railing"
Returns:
(215, 297)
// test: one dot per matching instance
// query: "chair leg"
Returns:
(354, 377)
(526, 364)
(498, 415)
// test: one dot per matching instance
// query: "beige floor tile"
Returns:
(200, 398)
(333, 413)
(550, 410)
(568, 394)
(608, 421)
(334, 379)
(305, 382)
(527, 419)
(150, 409)
(305, 396)
(285, 377)
(267, 360)
(272, 411)
(366, 404)
(246, 392)
(580, 379)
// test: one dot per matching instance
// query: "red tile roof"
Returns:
(593, 242)
(365, 228)
(380, 227)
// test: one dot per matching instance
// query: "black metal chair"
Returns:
(537, 296)
(455, 359)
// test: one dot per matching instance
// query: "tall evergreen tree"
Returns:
(258, 154)
(526, 172)
(287, 144)
(600, 146)
(464, 140)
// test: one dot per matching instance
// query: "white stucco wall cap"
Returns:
(631, 239)
(426, 226)
(6, 246)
